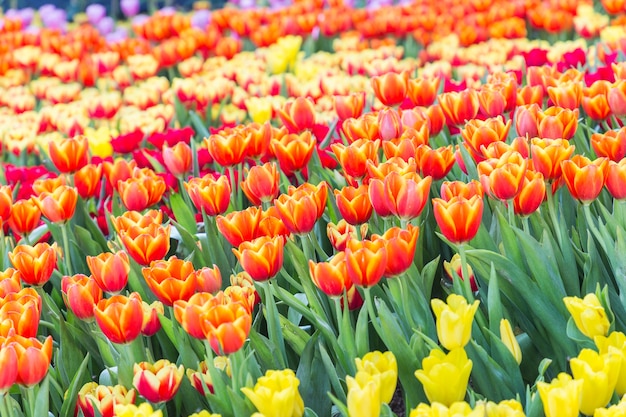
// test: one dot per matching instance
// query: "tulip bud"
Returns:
(445, 377)
(588, 314)
(454, 320)
(508, 338)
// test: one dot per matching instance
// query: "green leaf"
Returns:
(264, 349)
(311, 369)
(85, 242)
(183, 214)
(294, 335)
(42, 400)
(67, 354)
(494, 302)
(72, 392)
(198, 124)
(488, 377)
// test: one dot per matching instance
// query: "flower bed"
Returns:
(320, 209)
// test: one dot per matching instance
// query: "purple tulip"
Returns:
(95, 13)
(139, 19)
(27, 15)
(201, 19)
(106, 25)
(117, 35)
(55, 19)
(130, 8)
(168, 11)
(45, 10)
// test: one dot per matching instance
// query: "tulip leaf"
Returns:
(86, 243)
(362, 341)
(264, 349)
(67, 354)
(332, 375)
(494, 303)
(311, 369)
(503, 356)
(82, 216)
(428, 277)
(198, 124)
(294, 335)
(72, 392)
(42, 399)
(190, 244)
(488, 377)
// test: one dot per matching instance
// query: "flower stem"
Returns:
(307, 284)
(467, 286)
(511, 212)
(369, 302)
(66, 249)
(273, 322)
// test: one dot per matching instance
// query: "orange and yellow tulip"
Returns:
(6, 204)
(208, 279)
(366, 261)
(110, 270)
(58, 206)
(458, 218)
(451, 189)
(33, 358)
(298, 115)
(9, 365)
(557, 122)
(611, 144)
(595, 100)
(189, 313)
(261, 184)
(9, 282)
(177, 159)
(531, 195)
(389, 124)
(567, 95)
(350, 106)
(142, 190)
(391, 88)
(503, 179)
(615, 180)
(435, 163)
(364, 127)
(93, 397)
(353, 158)
(35, 263)
(423, 91)
(401, 243)
(585, 178)
(120, 318)
(20, 311)
(226, 326)
(171, 280)
(262, 258)
(331, 277)
(478, 134)
(405, 196)
(70, 154)
(151, 323)
(293, 151)
(547, 156)
(459, 107)
(209, 194)
(87, 180)
(228, 149)
(354, 204)
(25, 216)
(148, 244)
(240, 226)
(81, 293)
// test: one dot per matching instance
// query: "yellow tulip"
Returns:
(454, 320)
(617, 410)
(445, 377)
(382, 366)
(363, 395)
(562, 396)
(260, 109)
(615, 343)
(506, 408)
(131, 410)
(276, 394)
(510, 341)
(457, 409)
(205, 413)
(599, 375)
(100, 141)
(588, 314)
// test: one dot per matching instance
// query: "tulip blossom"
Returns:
(562, 396)
(103, 398)
(381, 366)
(588, 314)
(615, 343)
(364, 398)
(445, 376)
(276, 394)
(35, 263)
(454, 320)
(262, 258)
(120, 318)
(599, 373)
(157, 382)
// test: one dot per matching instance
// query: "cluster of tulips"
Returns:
(345, 196)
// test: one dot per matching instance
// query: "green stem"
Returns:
(233, 187)
(550, 196)
(2, 247)
(66, 249)
(273, 322)
(369, 302)
(526, 225)
(511, 212)
(344, 325)
(28, 394)
(130, 354)
(307, 284)
(619, 212)
(104, 346)
(467, 287)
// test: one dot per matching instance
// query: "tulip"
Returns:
(350, 106)
(595, 100)
(366, 261)
(616, 179)
(599, 374)
(611, 144)
(227, 149)
(364, 127)
(588, 314)
(271, 225)
(87, 180)
(451, 189)
(531, 195)
(354, 204)
(391, 88)
(58, 206)
(561, 397)
(261, 184)
(504, 180)
(171, 280)
(144, 189)
(423, 91)
(298, 115)
(526, 120)
(585, 178)
(131, 410)
(331, 277)
(6, 204)
(33, 358)
(435, 163)
(617, 98)
(151, 323)
(353, 158)
(136, 219)
(240, 226)
(276, 394)
(454, 320)
(118, 170)
(508, 408)
(459, 218)
(208, 280)
(177, 159)
(456, 409)
(226, 327)
(389, 124)
(81, 293)
(189, 313)
(25, 216)
(201, 379)
(384, 368)
(454, 270)
(615, 343)
(445, 377)
(110, 270)
(10, 370)
(478, 134)
(157, 382)
(547, 156)
(35, 263)
(70, 154)
(20, 311)
(557, 122)
(9, 282)
(491, 101)
(459, 107)
(120, 318)
(103, 398)
(567, 95)
(146, 245)
(510, 341)
(401, 243)
(364, 398)
(616, 410)
(293, 151)
(404, 196)
(208, 194)
(262, 258)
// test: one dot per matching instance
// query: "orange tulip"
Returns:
(611, 144)
(9, 366)
(423, 91)
(209, 194)
(615, 180)
(298, 212)
(261, 184)
(617, 98)
(208, 280)
(547, 156)
(142, 190)
(157, 382)
(259, 137)
(595, 100)
(103, 398)
(35, 263)
(33, 358)
(135, 218)
(9, 282)
(110, 270)
(364, 127)
(613, 6)
(81, 293)
(201, 379)
(70, 154)
(171, 280)
(58, 206)
(146, 245)
(451, 189)
(118, 170)
(151, 323)
(459, 107)
(404, 196)
(298, 115)
(177, 159)
(531, 195)
(339, 234)
(331, 277)
(491, 102)
(6, 204)
(567, 95)
(21, 311)
(366, 261)
(391, 88)
(262, 258)
(401, 243)
(585, 178)
(25, 216)
(47, 185)
(189, 313)
(478, 134)
(240, 226)
(293, 151)
(398, 148)
(350, 106)
(502, 180)
(87, 180)
(389, 124)
(354, 204)
(246, 295)
(393, 164)
(228, 149)
(353, 158)
(226, 326)
(435, 163)
(529, 94)
(120, 318)
(458, 218)
(526, 120)
(556, 122)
